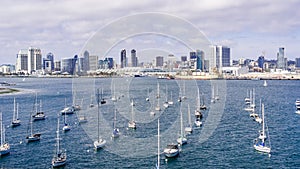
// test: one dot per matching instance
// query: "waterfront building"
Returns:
(57, 65)
(281, 60)
(34, 59)
(134, 59)
(159, 61)
(123, 59)
(93, 62)
(220, 58)
(200, 60)
(261, 61)
(297, 62)
(7, 68)
(86, 66)
(22, 61)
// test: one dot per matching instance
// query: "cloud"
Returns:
(66, 25)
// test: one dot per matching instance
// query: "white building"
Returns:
(29, 61)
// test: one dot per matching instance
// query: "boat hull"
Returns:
(99, 144)
(261, 148)
(4, 149)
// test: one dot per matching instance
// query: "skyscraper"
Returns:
(34, 59)
(281, 60)
(159, 61)
(123, 59)
(261, 61)
(22, 61)
(297, 62)
(85, 64)
(220, 57)
(200, 60)
(134, 59)
(48, 62)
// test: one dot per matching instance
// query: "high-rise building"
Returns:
(22, 61)
(93, 62)
(85, 64)
(220, 57)
(193, 55)
(48, 62)
(261, 61)
(123, 59)
(34, 59)
(200, 60)
(281, 60)
(297, 62)
(57, 65)
(183, 58)
(134, 59)
(68, 65)
(159, 61)
(110, 62)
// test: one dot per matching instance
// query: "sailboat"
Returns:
(260, 144)
(39, 114)
(202, 104)
(31, 137)
(265, 83)
(60, 156)
(182, 139)
(158, 150)
(213, 100)
(251, 104)
(4, 147)
(256, 117)
(247, 98)
(103, 101)
(16, 121)
(113, 97)
(92, 101)
(131, 123)
(217, 97)
(66, 127)
(157, 108)
(116, 132)
(170, 102)
(67, 110)
(99, 143)
(166, 104)
(198, 113)
(189, 128)
(147, 98)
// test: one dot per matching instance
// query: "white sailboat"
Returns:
(39, 114)
(170, 102)
(31, 137)
(198, 113)
(131, 123)
(213, 100)
(60, 156)
(247, 98)
(171, 150)
(202, 103)
(158, 150)
(260, 144)
(182, 139)
(251, 105)
(116, 131)
(265, 83)
(217, 97)
(113, 97)
(16, 121)
(99, 143)
(189, 128)
(148, 95)
(157, 108)
(66, 127)
(166, 104)
(4, 147)
(67, 110)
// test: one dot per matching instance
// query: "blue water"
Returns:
(229, 146)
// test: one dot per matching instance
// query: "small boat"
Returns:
(116, 132)
(131, 123)
(113, 97)
(148, 94)
(198, 123)
(198, 113)
(183, 93)
(16, 121)
(213, 100)
(202, 104)
(170, 102)
(297, 109)
(265, 83)
(66, 127)
(259, 144)
(60, 156)
(67, 110)
(181, 139)
(4, 147)
(31, 137)
(99, 143)
(102, 101)
(247, 98)
(166, 104)
(39, 114)
(217, 97)
(171, 150)
(189, 128)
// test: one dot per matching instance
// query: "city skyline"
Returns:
(248, 28)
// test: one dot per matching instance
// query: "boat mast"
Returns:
(1, 129)
(166, 93)
(132, 118)
(263, 121)
(158, 157)
(189, 113)
(115, 118)
(17, 111)
(181, 126)
(57, 136)
(98, 103)
(41, 106)
(36, 109)
(198, 100)
(14, 115)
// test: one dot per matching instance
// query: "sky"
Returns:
(249, 28)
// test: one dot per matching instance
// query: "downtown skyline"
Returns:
(63, 28)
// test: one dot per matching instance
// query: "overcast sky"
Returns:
(249, 28)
